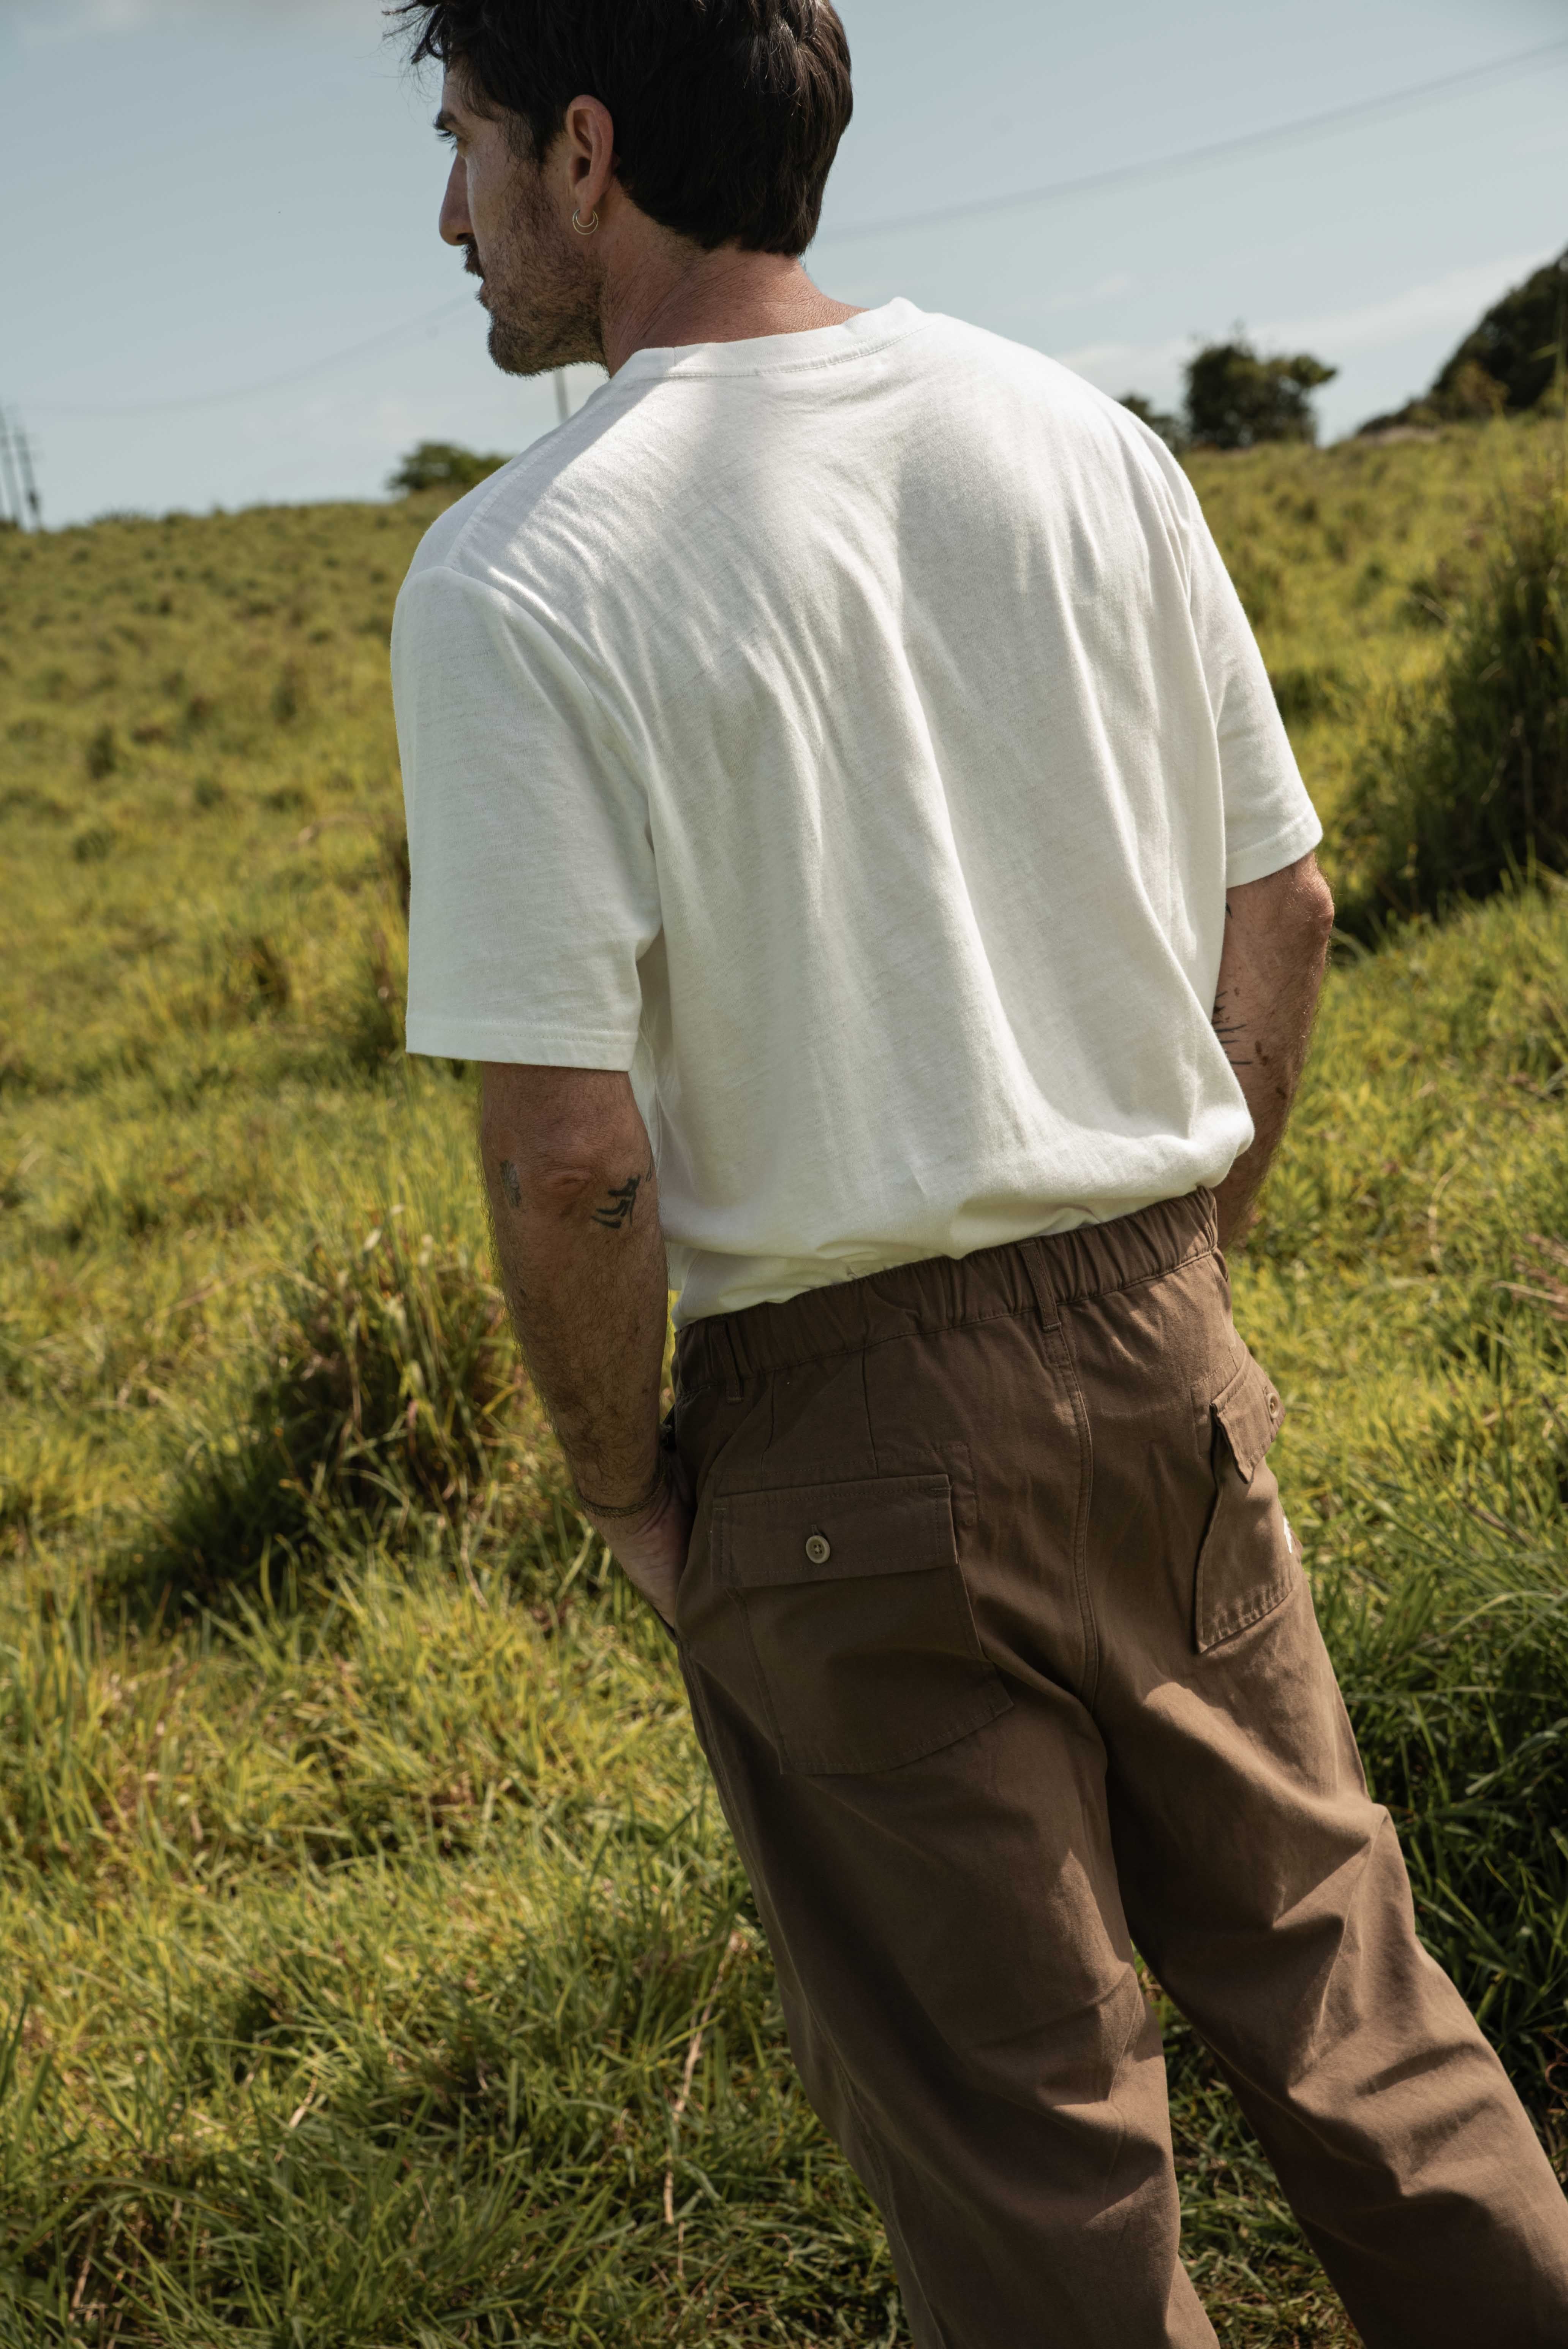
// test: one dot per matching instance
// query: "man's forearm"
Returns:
(1270, 975)
(582, 1260)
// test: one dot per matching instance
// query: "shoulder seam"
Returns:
(492, 592)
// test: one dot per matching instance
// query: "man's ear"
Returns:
(587, 148)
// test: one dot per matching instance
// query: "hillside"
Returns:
(380, 1970)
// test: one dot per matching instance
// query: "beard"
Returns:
(542, 300)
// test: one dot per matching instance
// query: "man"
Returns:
(851, 825)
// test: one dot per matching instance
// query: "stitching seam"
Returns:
(1090, 1687)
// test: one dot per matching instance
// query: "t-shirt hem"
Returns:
(545, 1048)
(1272, 855)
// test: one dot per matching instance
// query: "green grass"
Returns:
(378, 1969)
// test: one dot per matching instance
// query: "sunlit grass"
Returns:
(362, 1905)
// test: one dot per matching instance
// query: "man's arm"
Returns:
(1271, 973)
(574, 1203)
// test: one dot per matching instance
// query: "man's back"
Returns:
(880, 735)
(845, 727)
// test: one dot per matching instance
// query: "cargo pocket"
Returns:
(1247, 1565)
(858, 1620)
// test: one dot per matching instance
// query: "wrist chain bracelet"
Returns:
(632, 1509)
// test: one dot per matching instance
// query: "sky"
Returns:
(223, 286)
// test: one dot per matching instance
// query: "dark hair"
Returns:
(728, 113)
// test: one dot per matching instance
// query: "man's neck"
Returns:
(725, 296)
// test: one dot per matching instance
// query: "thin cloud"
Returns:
(1453, 301)
(1126, 363)
(1449, 304)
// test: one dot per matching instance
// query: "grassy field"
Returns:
(375, 1967)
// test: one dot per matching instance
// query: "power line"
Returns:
(1189, 158)
(271, 383)
(1120, 175)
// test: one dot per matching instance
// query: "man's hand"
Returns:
(573, 1199)
(1271, 973)
(651, 1549)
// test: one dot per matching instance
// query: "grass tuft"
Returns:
(385, 1388)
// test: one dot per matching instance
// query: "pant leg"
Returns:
(1263, 1886)
(992, 2070)
(926, 1828)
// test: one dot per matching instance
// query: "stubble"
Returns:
(542, 296)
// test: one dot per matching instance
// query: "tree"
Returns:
(1517, 346)
(1236, 398)
(442, 465)
(1509, 359)
(1170, 429)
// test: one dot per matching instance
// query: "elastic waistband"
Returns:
(941, 1292)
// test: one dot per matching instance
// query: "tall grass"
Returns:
(382, 1388)
(1469, 782)
(377, 1968)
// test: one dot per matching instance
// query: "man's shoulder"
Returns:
(546, 521)
(972, 365)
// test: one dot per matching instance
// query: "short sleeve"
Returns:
(1270, 821)
(533, 892)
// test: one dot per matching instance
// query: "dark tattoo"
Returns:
(619, 1207)
(1228, 1030)
(510, 1183)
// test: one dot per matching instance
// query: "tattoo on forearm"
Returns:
(1228, 1030)
(621, 1205)
(510, 1184)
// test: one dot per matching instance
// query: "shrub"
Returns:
(383, 1390)
(1467, 781)
(102, 753)
(1235, 398)
(1472, 392)
(442, 465)
(1170, 429)
(93, 845)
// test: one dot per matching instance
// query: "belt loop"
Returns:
(1034, 1253)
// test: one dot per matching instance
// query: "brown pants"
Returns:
(1002, 1654)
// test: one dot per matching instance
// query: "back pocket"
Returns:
(1247, 1565)
(858, 1619)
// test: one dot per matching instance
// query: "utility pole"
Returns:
(562, 397)
(14, 512)
(25, 465)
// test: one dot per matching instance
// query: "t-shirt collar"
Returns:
(814, 347)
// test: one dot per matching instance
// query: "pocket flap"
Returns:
(1252, 1414)
(821, 1533)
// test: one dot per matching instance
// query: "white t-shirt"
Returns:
(852, 734)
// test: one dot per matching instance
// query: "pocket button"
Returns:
(819, 1548)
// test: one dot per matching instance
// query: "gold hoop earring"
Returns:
(584, 227)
